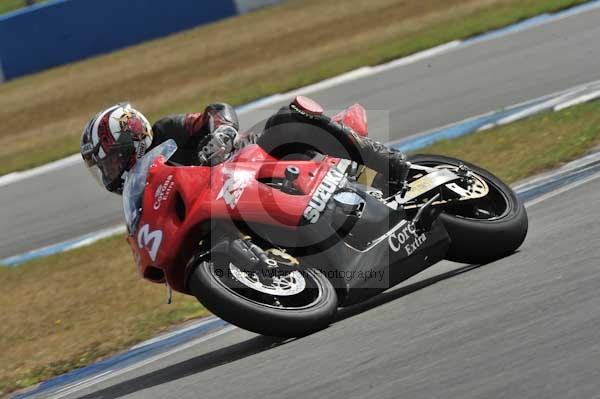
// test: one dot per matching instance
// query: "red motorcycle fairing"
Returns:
(179, 199)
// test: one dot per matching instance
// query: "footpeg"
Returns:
(426, 215)
(403, 179)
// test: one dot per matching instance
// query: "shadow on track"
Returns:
(396, 293)
(254, 345)
(188, 367)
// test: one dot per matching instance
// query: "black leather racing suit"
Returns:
(293, 129)
(290, 130)
(188, 130)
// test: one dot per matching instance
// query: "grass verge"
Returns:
(236, 60)
(69, 310)
(11, 5)
(522, 149)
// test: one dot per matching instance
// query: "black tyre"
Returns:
(228, 294)
(485, 229)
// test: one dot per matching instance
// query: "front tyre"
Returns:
(484, 229)
(290, 305)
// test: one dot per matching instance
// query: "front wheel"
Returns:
(287, 304)
(483, 229)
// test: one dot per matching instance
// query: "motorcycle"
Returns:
(275, 245)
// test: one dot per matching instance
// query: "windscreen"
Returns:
(135, 182)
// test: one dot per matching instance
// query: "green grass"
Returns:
(71, 309)
(218, 63)
(11, 5)
(522, 149)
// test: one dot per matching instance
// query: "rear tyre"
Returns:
(258, 304)
(485, 229)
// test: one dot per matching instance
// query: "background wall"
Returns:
(62, 31)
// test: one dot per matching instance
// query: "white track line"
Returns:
(545, 98)
(265, 102)
(352, 75)
(358, 73)
(40, 170)
(526, 113)
(76, 242)
(162, 337)
(327, 83)
(559, 16)
(420, 56)
(578, 100)
(562, 190)
(542, 178)
(69, 387)
(78, 386)
(114, 373)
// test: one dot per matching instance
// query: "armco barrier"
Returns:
(62, 31)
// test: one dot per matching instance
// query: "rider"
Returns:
(117, 137)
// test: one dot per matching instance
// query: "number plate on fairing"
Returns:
(429, 182)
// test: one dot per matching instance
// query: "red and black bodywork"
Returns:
(183, 206)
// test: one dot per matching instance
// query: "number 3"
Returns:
(152, 239)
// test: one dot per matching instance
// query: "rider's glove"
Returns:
(218, 146)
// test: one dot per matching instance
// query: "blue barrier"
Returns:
(63, 31)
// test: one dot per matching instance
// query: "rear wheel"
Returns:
(482, 229)
(285, 302)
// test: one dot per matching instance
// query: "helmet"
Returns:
(112, 142)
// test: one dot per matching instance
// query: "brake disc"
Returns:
(477, 186)
(285, 284)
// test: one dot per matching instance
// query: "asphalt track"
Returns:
(436, 91)
(522, 327)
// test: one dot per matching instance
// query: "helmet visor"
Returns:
(108, 170)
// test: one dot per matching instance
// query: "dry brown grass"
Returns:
(235, 60)
(65, 311)
(70, 309)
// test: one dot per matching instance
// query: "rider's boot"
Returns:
(381, 158)
(389, 162)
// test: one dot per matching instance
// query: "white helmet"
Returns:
(113, 141)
